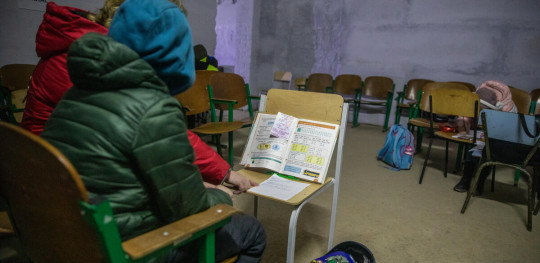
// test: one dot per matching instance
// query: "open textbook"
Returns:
(287, 145)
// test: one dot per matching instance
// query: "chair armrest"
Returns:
(178, 232)
(253, 97)
(301, 87)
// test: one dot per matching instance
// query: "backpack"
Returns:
(398, 150)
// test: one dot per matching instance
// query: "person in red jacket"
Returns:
(61, 26)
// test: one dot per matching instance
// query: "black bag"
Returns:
(512, 139)
(347, 252)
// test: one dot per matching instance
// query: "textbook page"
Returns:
(311, 150)
(279, 188)
(263, 150)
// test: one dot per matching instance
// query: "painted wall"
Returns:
(459, 40)
(18, 26)
(234, 35)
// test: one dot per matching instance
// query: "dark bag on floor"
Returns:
(398, 149)
(347, 252)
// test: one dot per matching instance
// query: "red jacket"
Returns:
(60, 27)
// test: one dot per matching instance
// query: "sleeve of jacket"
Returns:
(213, 168)
(162, 151)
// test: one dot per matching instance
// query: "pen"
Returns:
(226, 176)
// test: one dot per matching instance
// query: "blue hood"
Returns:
(159, 32)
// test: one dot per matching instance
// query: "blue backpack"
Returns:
(398, 150)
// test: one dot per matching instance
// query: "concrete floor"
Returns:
(400, 220)
(395, 217)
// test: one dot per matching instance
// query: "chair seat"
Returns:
(422, 122)
(218, 127)
(449, 136)
(372, 100)
(258, 175)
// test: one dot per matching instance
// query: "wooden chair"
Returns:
(300, 83)
(522, 99)
(349, 87)
(504, 128)
(55, 221)
(284, 77)
(412, 92)
(197, 100)
(470, 86)
(228, 92)
(14, 80)
(452, 102)
(318, 82)
(420, 122)
(378, 90)
(314, 106)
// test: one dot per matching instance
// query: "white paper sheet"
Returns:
(279, 188)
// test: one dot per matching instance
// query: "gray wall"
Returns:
(18, 26)
(457, 40)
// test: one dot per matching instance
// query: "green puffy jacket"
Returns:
(127, 138)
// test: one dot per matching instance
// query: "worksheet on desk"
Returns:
(279, 188)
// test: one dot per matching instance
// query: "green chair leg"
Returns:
(356, 112)
(217, 141)
(419, 135)
(206, 248)
(231, 152)
(398, 115)
(388, 110)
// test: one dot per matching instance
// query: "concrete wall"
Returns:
(234, 35)
(459, 40)
(18, 26)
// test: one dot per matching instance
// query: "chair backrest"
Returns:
(470, 86)
(16, 76)
(44, 191)
(378, 86)
(284, 77)
(318, 82)
(456, 102)
(426, 92)
(535, 94)
(195, 100)
(322, 107)
(229, 86)
(413, 86)
(347, 84)
(522, 99)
